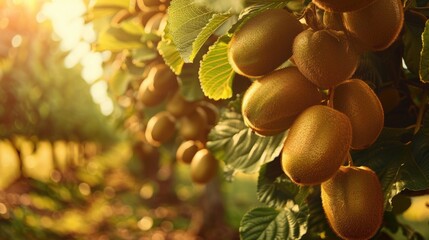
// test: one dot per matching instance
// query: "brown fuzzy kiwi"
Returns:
(179, 106)
(263, 43)
(148, 97)
(317, 145)
(194, 125)
(390, 98)
(325, 57)
(359, 102)
(376, 29)
(271, 104)
(353, 202)
(187, 150)
(162, 79)
(342, 5)
(160, 128)
(203, 167)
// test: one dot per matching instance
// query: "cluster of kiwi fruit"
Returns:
(303, 82)
(157, 90)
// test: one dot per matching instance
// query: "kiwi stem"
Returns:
(422, 108)
(350, 160)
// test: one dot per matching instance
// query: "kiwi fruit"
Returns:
(160, 128)
(187, 150)
(148, 97)
(162, 79)
(179, 106)
(271, 104)
(317, 145)
(203, 167)
(263, 43)
(194, 125)
(353, 202)
(211, 111)
(376, 29)
(358, 101)
(390, 98)
(343, 5)
(325, 57)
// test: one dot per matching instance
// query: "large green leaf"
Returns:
(271, 224)
(424, 55)
(275, 189)
(215, 73)
(395, 164)
(168, 50)
(239, 147)
(191, 24)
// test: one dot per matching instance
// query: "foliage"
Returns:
(193, 42)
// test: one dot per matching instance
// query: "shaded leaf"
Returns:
(239, 147)
(272, 224)
(190, 87)
(424, 55)
(395, 164)
(413, 29)
(275, 189)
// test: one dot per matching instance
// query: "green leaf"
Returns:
(168, 50)
(413, 29)
(118, 83)
(271, 224)
(216, 73)
(191, 24)
(318, 225)
(116, 39)
(239, 147)
(275, 189)
(395, 164)
(424, 55)
(189, 85)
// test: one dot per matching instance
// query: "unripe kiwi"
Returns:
(160, 128)
(203, 166)
(147, 97)
(179, 106)
(353, 202)
(325, 57)
(356, 99)
(376, 29)
(187, 151)
(194, 125)
(263, 43)
(342, 5)
(272, 103)
(317, 145)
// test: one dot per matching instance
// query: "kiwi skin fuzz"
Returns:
(263, 43)
(353, 202)
(272, 103)
(360, 103)
(317, 145)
